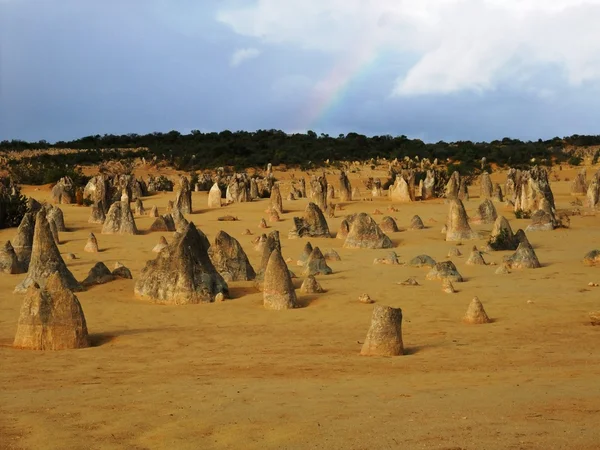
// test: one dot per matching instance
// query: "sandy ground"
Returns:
(233, 375)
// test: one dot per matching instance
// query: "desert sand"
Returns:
(232, 375)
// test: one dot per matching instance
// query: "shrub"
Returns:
(13, 205)
(574, 160)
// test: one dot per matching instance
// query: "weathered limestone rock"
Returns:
(391, 259)
(318, 191)
(229, 258)
(428, 190)
(99, 274)
(276, 201)
(272, 243)
(476, 258)
(498, 196)
(454, 252)
(452, 187)
(447, 286)
(274, 216)
(183, 196)
(55, 214)
(345, 188)
(457, 225)
(475, 313)
(384, 337)
(593, 193)
(139, 207)
(97, 213)
(463, 190)
(595, 318)
(23, 240)
(306, 251)
(541, 221)
(179, 220)
(182, 273)
(502, 269)
(579, 185)
(51, 318)
(592, 258)
(162, 243)
(388, 225)
(120, 271)
(365, 233)
(422, 261)
(523, 258)
(356, 195)
(278, 290)
(330, 192)
(344, 228)
(263, 224)
(46, 259)
(399, 191)
(91, 245)
(311, 286)
(377, 191)
(9, 262)
(416, 223)
(154, 211)
(485, 187)
(445, 269)
(332, 255)
(63, 191)
(316, 264)
(486, 213)
(502, 236)
(531, 187)
(163, 223)
(313, 224)
(119, 219)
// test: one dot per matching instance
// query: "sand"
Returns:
(232, 375)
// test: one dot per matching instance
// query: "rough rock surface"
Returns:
(229, 258)
(51, 318)
(182, 273)
(313, 224)
(475, 313)
(384, 337)
(365, 233)
(278, 290)
(119, 219)
(46, 259)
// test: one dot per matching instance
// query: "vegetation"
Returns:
(32, 171)
(13, 204)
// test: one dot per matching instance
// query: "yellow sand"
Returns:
(233, 375)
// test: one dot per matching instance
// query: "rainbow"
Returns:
(330, 92)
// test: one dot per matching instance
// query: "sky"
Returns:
(430, 69)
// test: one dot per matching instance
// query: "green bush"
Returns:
(40, 172)
(574, 160)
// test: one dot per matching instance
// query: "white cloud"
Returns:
(458, 44)
(242, 55)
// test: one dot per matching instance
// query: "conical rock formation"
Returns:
(162, 243)
(388, 225)
(457, 224)
(311, 286)
(444, 270)
(9, 262)
(183, 196)
(416, 223)
(278, 290)
(313, 224)
(119, 219)
(365, 233)
(476, 258)
(502, 236)
(51, 318)
(486, 213)
(182, 273)
(475, 313)
(92, 244)
(46, 259)
(523, 258)
(229, 258)
(316, 264)
(99, 274)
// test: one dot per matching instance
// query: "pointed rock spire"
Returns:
(92, 244)
(278, 290)
(457, 224)
(229, 258)
(475, 313)
(46, 259)
(316, 264)
(183, 273)
(51, 318)
(313, 224)
(365, 233)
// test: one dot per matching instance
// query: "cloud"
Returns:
(242, 55)
(456, 45)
